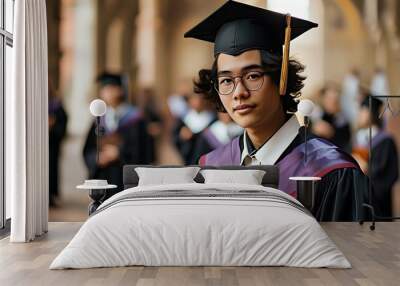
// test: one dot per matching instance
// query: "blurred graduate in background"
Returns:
(218, 133)
(384, 168)
(177, 102)
(57, 129)
(125, 135)
(187, 130)
(330, 122)
(351, 92)
(147, 103)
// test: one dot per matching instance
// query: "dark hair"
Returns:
(330, 86)
(272, 67)
(374, 109)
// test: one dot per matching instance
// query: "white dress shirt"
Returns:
(198, 121)
(271, 150)
(113, 116)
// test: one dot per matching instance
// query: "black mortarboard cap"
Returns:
(376, 104)
(236, 27)
(107, 78)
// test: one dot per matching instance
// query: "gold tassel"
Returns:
(285, 57)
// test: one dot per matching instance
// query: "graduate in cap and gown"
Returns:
(253, 80)
(58, 119)
(384, 169)
(124, 135)
(147, 104)
(187, 131)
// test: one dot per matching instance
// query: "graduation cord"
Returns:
(285, 58)
(369, 206)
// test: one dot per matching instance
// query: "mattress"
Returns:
(201, 225)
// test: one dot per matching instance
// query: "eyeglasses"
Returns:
(252, 80)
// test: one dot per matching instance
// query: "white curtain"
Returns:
(27, 124)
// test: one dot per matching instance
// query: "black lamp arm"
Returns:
(306, 125)
(98, 133)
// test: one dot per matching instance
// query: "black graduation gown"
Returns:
(200, 146)
(342, 135)
(340, 193)
(191, 149)
(384, 174)
(152, 117)
(56, 135)
(132, 150)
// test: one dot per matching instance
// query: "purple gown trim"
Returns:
(211, 139)
(379, 137)
(228, 154)
(323, 157)
(127, 120)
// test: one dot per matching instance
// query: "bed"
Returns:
(201, 224)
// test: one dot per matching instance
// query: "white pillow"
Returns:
(163, 176)
(248, 177)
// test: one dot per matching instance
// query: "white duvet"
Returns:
(207, 230)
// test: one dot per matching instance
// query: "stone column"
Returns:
(53, 41)
(82, 75)
(374, 32)
(392, 44)
(147, 25)
(151, 48)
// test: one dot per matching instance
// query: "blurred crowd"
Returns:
(355, 118)
(343, 115)
(129, 132)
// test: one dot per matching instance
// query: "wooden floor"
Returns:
(375, 257)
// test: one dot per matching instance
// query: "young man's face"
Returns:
(197, 103)
(331, 101)
(249, 109)
(111, 94)
(364, 117)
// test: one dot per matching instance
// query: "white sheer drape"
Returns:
(27, 124)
